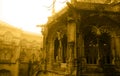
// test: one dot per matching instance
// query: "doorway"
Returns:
(97, 47)
(105, 48)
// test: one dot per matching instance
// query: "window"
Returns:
(23, 55)
(5, 56)
(60, 49)
(91, 48)
(105, 48)
(4, 73)
(8, 37)
(64, 45)
(98, 46)
(56, 47)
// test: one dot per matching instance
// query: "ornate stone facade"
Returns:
(83, 39)
(17, 50)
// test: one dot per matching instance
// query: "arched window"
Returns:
(91, 51)
(4, 72)
(97, 46)
(8, 37)
(105, 48)
(60, 47)
(5, 56)
(64, 45)
(56, 47)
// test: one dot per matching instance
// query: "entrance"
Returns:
(4, 72)
(97, 47)
(91, 48)
(105, 48)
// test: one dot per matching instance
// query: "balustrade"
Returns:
(92, 1)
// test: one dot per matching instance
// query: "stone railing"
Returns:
(93, 1)
(5, 61)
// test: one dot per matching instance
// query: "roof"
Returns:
(5, 24)
(84, 6)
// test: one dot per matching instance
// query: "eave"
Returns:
(113, 8)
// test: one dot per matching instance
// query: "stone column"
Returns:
(81, 46)
(49, 55)
(60, 47)
(71, 32)
(44, 45)
(113, 50)
(116, 50)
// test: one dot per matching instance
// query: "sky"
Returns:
(26, 14)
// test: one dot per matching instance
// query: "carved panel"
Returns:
(5, 55)
(8, 37)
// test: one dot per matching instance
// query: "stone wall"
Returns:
(17, 49)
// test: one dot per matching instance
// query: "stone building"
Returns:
(9, 50)
(30, 54)
(83, 39)
(20, 52)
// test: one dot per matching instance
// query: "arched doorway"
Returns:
(105, 48)
(4, 72)
(60, 48)
(91, 48)
(56, 48)
(97, 47)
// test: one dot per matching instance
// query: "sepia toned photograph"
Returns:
(59, 37)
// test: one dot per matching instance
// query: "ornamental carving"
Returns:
(60, 47)
(5, 55)
(8, 36)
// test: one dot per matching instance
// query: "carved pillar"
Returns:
(81, 46)
(70, 59)
(113, 50)
(117, 50)
(60, 47)
(81, 60)
(71, 31)
(49, 55)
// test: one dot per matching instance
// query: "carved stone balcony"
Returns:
(93, 1)
(5, 61)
